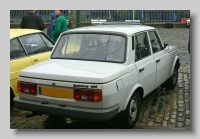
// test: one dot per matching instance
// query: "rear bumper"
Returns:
(67, 111)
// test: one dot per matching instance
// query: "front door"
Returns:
(162, 58)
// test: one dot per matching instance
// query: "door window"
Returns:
(16, 49)
(34, 44)
(142, 46)
(47, 42)
(155, 42)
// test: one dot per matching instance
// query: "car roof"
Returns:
(19, 32)
(126, 29)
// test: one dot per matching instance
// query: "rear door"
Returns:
(36, 47)
(18, 61)
(145, 62)
(162, 58)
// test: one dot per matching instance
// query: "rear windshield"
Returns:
(93, 47)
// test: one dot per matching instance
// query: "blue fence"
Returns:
(112, 15)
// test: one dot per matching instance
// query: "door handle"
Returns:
(158, 60)
(140, 70)
(35, 60)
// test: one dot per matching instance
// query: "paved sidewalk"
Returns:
(167, 108)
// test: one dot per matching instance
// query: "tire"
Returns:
(55, 122)
(11, 98)
(171, 82)
(132, 111)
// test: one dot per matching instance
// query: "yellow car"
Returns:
(27, 47)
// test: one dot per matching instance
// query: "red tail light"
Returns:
(77, 94)
(84, 94)
(26, 87)
(90, 96)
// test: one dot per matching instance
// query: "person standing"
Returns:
(60, 25)
(51, 25)
(32, 21)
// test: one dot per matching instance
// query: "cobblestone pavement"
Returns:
(161, 109)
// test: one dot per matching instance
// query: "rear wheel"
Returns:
(11, 98)
(132, 111)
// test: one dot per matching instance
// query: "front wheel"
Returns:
(132, 111)
(171, 82)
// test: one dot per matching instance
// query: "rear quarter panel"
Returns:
(113, 96)
(15, 67)
(41, 57)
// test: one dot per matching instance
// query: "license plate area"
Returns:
(55, 92)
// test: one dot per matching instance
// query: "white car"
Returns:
(96, 72)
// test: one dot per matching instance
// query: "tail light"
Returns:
(91, 95)
(26, 87)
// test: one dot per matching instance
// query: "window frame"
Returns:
(159, 40)
(136, 40)
(94, 32)
(133, 42)
(48, 38)
(22, 48)
(38, 33)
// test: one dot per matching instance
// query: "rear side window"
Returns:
(16, 49)
(33, 44)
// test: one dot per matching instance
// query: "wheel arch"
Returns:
(139, 89)
(176, 61)
(11, 92)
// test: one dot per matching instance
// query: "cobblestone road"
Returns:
(161, 109)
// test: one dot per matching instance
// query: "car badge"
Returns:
(53, 83)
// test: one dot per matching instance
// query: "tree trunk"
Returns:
(73, 18)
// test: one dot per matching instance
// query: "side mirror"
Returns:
(166, 47)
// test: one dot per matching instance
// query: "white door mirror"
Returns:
(166, 47)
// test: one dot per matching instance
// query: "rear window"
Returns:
(93, 47)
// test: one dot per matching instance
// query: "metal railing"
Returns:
(111, 15)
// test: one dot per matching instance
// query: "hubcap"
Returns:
(174, 76)
(133, 110)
